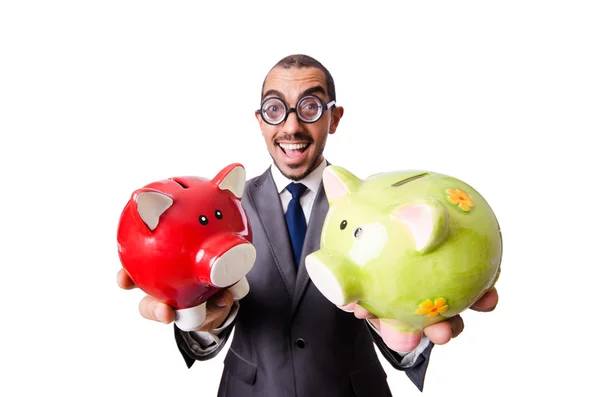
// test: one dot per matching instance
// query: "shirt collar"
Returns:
(312, 181)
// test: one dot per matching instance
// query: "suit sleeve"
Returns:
(414, 364)
(193, 348)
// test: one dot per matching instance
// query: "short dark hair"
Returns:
(305, 61)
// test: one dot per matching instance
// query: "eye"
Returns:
(358, 232)
(219, 214)
(203, 220)
(343, 225)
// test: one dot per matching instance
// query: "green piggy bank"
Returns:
(412, 247)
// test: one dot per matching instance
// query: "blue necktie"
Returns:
(296, 222)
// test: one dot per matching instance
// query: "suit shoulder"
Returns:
(251, 185)
(252, 181)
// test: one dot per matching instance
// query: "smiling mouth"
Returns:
(294, 149)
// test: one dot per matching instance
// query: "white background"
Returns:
(99, 98)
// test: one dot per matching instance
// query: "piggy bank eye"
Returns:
(343, 225)
(358, 232)
(219, 214)
(203, 220)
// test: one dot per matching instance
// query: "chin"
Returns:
(294, 173)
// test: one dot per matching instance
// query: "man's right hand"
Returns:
(217, 307)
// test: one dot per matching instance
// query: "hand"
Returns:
(441, 333)
(217, 307)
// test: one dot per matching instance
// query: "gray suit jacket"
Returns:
(289, 340)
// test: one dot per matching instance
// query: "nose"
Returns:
(292, 124)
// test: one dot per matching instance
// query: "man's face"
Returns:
(297, 147)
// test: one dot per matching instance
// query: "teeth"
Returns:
(293, 146)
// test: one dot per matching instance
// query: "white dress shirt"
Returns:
(312, 182)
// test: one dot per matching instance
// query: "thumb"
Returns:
(221, 300)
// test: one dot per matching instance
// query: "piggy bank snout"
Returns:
(233, 263)
(325, 280)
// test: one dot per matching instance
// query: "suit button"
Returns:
(300, 343)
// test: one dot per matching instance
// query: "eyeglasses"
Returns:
(309, 109)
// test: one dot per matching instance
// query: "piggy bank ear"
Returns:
(428, 222)
(339, 182)
(232, 178)
(150, 205)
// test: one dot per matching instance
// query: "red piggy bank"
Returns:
(181, 240)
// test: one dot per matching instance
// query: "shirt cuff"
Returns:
(408, 359)
(210, 338)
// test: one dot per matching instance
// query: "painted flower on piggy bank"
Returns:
(412, 247)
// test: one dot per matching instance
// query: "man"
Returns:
(290, 340)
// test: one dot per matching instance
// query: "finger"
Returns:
(362, 313)
(164, 313)
(124, 281)
(441, 333)
(349, 307)
(457, 324)
(487, 302)
(220, 301)
(152, 309)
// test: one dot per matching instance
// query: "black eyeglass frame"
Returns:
(324, 108)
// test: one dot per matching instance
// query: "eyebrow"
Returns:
(308, 91)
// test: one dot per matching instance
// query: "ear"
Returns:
(336, 116)
(232, 178)
(151, 204)
(428, 222)
(338, 182)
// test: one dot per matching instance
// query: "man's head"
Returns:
(297, 146)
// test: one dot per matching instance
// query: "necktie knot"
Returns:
(296, 189)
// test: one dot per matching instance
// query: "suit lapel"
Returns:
(312, 243)
(265, 198)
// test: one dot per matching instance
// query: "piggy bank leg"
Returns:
(190, 318)
(239, 289)
(396, 339)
